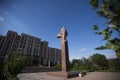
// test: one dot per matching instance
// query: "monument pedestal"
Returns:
(69, 74)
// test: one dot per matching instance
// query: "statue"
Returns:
(64, 47)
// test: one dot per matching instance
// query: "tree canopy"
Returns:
(100, 61)
(110, 10)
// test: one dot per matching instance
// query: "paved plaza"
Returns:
(89, 76)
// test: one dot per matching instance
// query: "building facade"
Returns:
(1, 43)
(10, 43)
(44, 51)
(54, 56)
(28, 45)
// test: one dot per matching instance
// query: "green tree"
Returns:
(82, 64)
(75, 65)
(87, 62)
(12, 66)
(114, 64)
(110, 10)
(75, 62)
(100, 61)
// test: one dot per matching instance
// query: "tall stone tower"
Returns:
(64, 47)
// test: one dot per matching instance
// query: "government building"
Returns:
(29, 45)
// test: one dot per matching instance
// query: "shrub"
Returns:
(12, 66)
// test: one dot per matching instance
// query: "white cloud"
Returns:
(82, 49)
(73, 57)
(1, 18)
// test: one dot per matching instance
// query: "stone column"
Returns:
(65, 56)
(64, 48)
(65, 73)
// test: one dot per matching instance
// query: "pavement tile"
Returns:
(89, 76)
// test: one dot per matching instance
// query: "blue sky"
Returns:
(45, 18)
